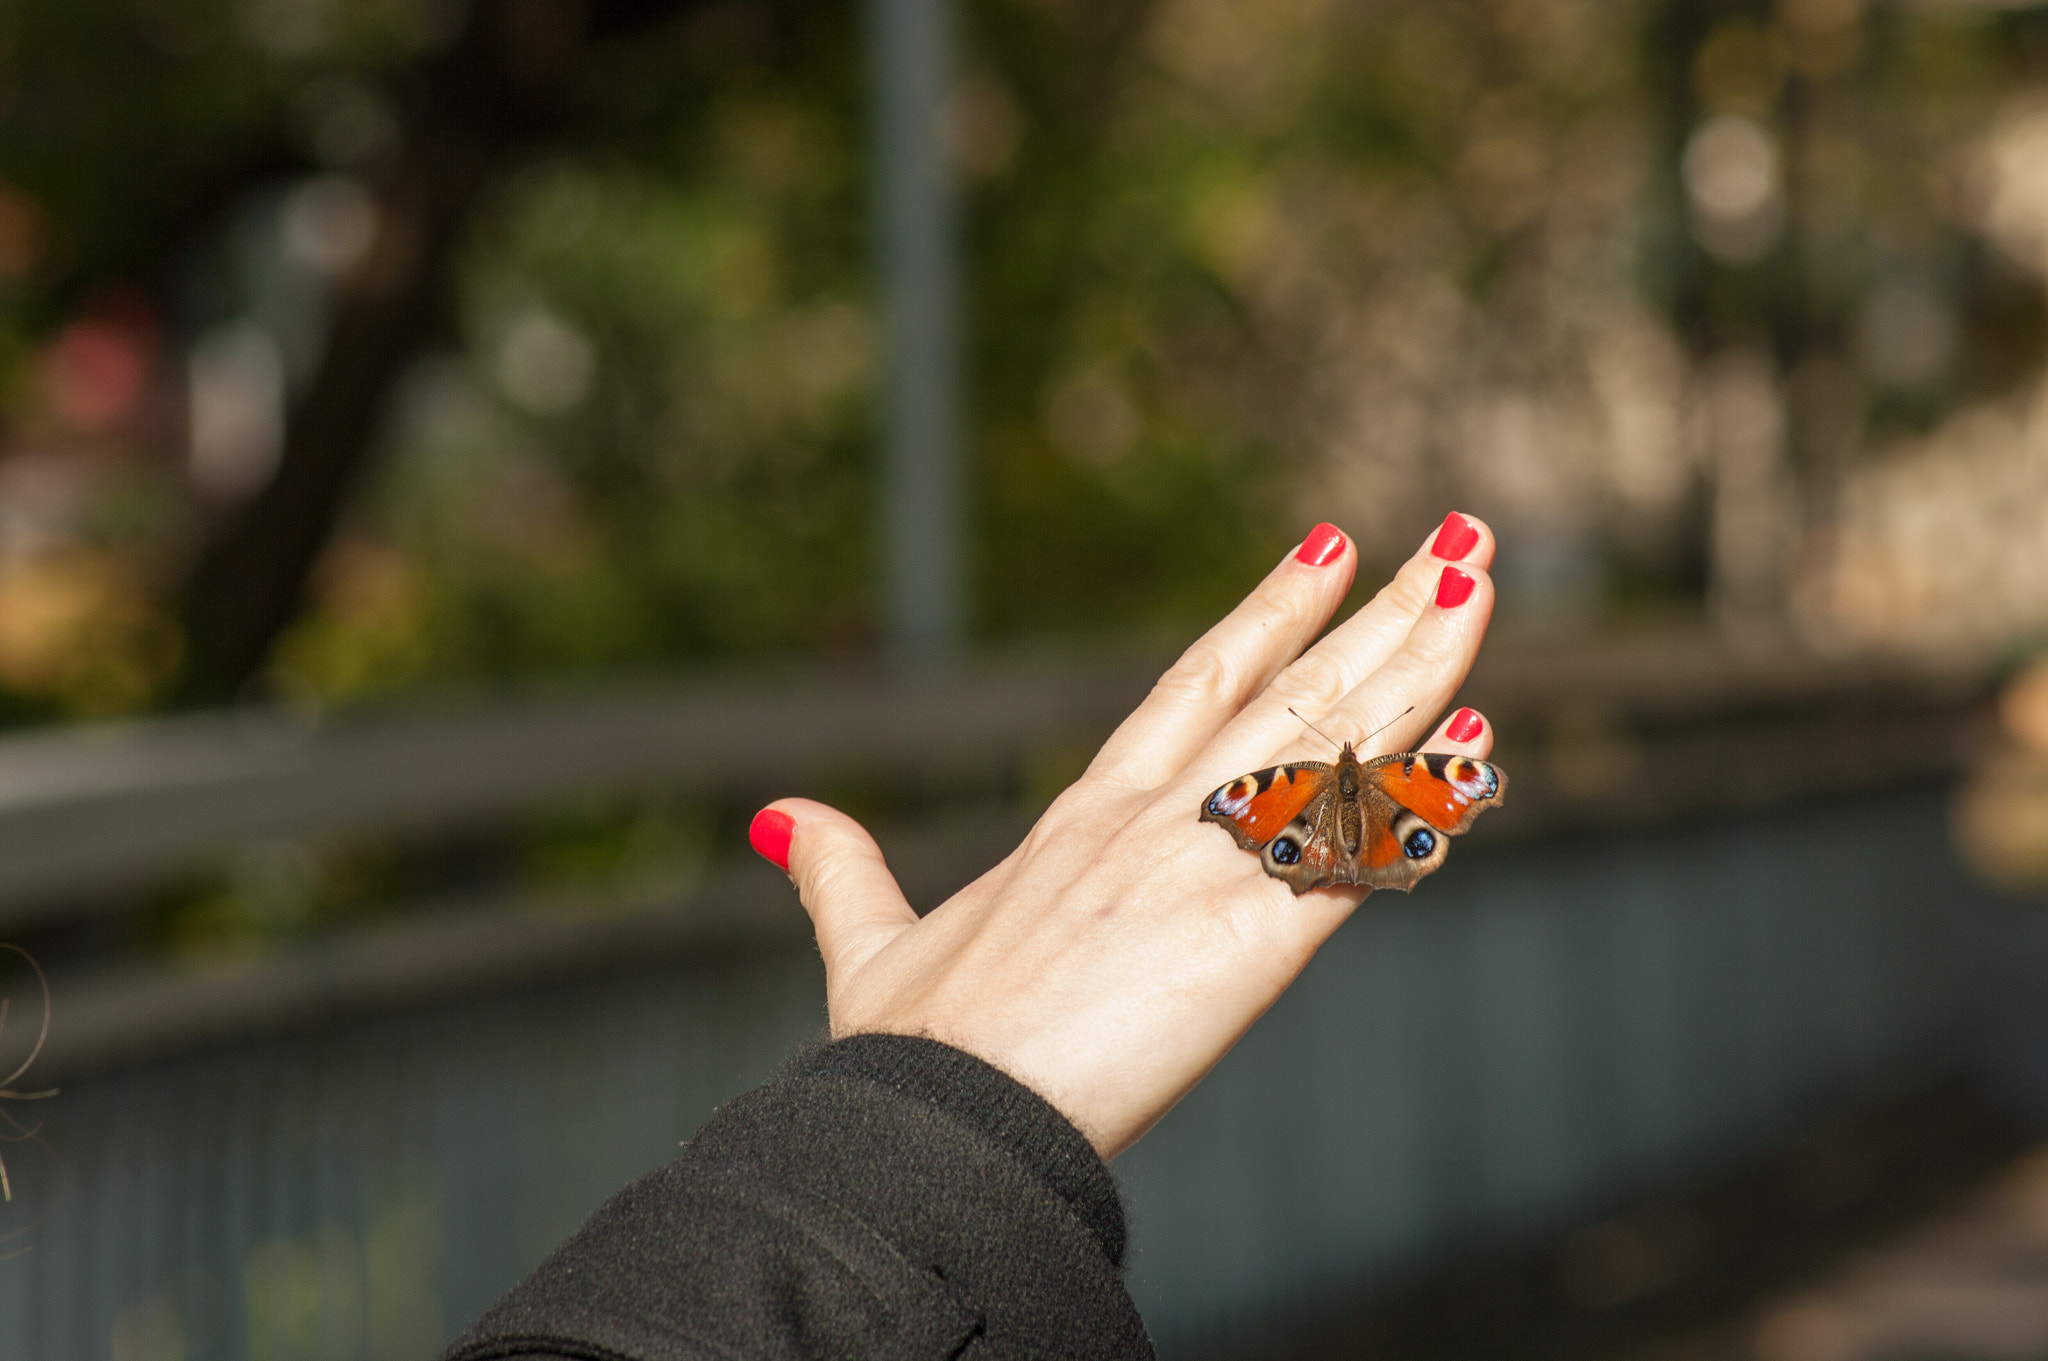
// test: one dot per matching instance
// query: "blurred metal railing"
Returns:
(1633, 730)
(93, 811)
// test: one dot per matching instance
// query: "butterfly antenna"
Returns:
(1312, 727)
(1361, 741)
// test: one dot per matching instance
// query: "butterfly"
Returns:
(1383, 823)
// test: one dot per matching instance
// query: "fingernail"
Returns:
(1322, 546)
(1455, 538)
(770, 834)
(1453, 588)
(1465, 725)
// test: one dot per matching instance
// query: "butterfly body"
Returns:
(1384, 823)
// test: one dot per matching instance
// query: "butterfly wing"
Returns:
(1255, 807)
(1308, 853)
(1445, 791)
(1288, 815)
(1410, 805)
(1414, 804)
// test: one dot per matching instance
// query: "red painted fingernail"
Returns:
(1455, 538)
(1465, 725)
(1453, 588)
(1322, 546)
(770, 834)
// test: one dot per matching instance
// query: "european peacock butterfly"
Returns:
(1384, 823)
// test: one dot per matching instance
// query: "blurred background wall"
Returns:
(457, 458)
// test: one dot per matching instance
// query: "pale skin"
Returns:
(1117, 954)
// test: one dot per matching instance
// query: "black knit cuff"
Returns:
(998, 1106)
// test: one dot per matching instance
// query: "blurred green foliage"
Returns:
(706, 494)
(1233, 268)
(1657, 286)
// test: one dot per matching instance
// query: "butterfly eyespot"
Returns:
(1285, 852)
(1419, 844)
(1478, 781)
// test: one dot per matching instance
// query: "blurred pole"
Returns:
(910, 74)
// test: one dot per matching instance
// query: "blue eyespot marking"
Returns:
(1419, 844)
(1285, 852)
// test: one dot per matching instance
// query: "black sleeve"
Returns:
(890, 1197)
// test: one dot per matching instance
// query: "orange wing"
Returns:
(1445, 791)
(1256, 806)
(1382, 849)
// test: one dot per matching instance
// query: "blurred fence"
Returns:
(1721, 906)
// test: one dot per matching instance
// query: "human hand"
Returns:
(1112, 958)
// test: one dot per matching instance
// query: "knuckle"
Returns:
(827, 869)
(1414, 585)
(1426, 668)
(1203, 674)
(1444, 644)
(1314, 682)
(1413, 674)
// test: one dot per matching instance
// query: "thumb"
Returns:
(839, 873)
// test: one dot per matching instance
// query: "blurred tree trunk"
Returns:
(503, 86)
(466, 111)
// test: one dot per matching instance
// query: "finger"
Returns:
(1335, 667)
(855, 906)
(1422, 675)
(1231, 663)
(1464, 733)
